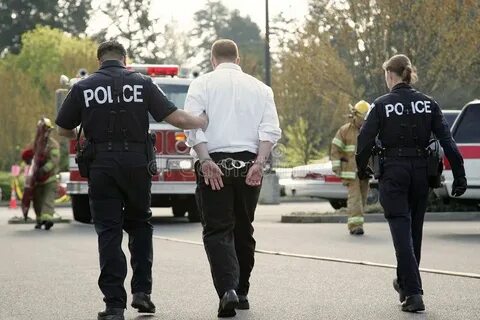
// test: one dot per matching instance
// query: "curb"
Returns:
(378, 217)
(20, 220)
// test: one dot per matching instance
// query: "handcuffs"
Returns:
(231, 164)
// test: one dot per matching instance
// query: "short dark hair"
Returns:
(225, 49)
(112, 48)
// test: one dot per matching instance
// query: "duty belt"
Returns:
(231, 164)
(120, 147)
(407, 152)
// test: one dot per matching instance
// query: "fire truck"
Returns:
(174, 185)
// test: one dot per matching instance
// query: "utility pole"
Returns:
(268, 75)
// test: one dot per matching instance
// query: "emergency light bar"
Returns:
(155, 69)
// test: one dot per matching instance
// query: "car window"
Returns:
(450, 117)
(466, 131)
(177, 93)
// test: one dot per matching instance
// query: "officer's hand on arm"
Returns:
(459, 186)
(184, 120)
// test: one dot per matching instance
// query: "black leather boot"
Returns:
(111, 314)
(142, 302)
(401, 294)
(413, 303)
(228, 303)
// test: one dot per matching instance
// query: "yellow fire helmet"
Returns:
(45, 122)
(361, 108)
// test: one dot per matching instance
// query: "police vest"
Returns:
(116, 109)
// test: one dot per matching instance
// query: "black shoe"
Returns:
(243, 303)
(111, 314)
(358, 231)
(142, 302)
(413, 303)
(48, 225)
(228, 303)
(401, 294)
(39, 225)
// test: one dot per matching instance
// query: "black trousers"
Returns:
(120, 200)
(403, 195)
(227, 217)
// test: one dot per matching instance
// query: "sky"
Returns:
(182, 10)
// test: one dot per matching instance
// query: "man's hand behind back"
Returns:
(212, 174)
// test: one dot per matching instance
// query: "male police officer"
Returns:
(404, 120)
(113, 105)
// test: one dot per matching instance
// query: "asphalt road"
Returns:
(52, 275)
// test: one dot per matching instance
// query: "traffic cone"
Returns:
(13, 200)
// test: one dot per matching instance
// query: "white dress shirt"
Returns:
(240, 108)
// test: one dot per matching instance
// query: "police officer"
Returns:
(112, 106)
(404, 121)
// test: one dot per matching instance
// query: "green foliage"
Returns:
(312, 91)
(300, 149)
(215, 22)
(19, 16)
(441, 38)
(29, 81)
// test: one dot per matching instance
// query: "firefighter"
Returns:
(45, 189)
(343, 164)
(403, 121)
(112, 105)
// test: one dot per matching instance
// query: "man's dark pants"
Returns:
(403, 195)
(119, 192)
(227, 217)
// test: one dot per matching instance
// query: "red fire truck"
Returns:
(174, 186)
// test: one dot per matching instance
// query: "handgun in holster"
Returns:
(151, 153)
(378, 157)
(85, 154)
(434, 164)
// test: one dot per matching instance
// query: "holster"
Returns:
(84, 157)
(151, 154)
(378, 157)
(434, 165)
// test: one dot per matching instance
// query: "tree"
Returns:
(29, 80)
(215, 22)
(312, 90)
(439, 35)
(145, 38)
(19, 16)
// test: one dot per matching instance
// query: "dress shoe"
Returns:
(358, 231)
(243, 303)
(401, 294)
(142, 302)
(111, 314)
(228, 303)
(413, 303)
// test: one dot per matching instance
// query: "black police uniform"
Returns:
(404, 120)
(113, 105)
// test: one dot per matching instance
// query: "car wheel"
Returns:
(81, 208)
(338, 203)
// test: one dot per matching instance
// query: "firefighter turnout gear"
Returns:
(343, 164)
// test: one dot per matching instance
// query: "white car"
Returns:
(318, 181)
(466, 133)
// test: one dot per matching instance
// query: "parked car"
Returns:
(284, 178)
(466, 133)
(319, 181)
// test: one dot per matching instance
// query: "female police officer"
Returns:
(411, 117)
